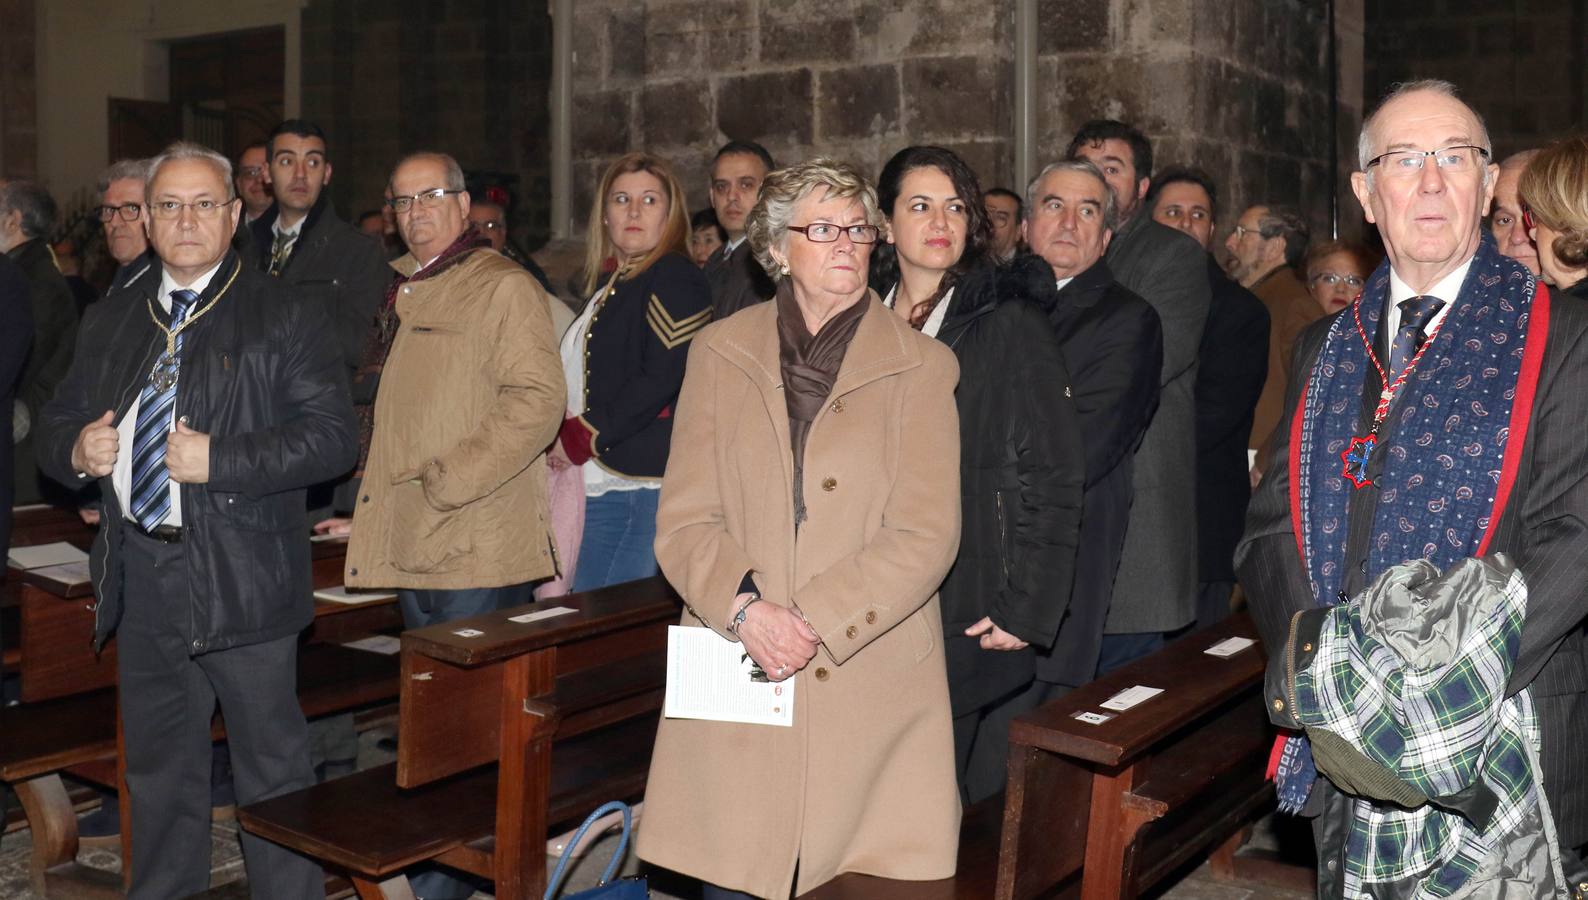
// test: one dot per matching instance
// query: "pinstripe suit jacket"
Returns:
(1544, 528)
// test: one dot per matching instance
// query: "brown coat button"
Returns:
(838, 406)
(851, 631)
(829, 483)
(1279, 705)
(871, 617)
(821, 674)
(1306, 648)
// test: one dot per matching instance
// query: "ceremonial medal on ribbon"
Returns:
(1357, 453)
(163, 374)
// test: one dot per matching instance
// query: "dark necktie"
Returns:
(1416, 313)
(151, 501)
(281, 251)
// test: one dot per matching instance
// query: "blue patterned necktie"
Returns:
(1416, 313)
(151, 499)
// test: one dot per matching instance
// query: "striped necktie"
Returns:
(151, 499)
(1416, 313)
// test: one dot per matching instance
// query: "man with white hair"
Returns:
(1440, 422)
(204, 401)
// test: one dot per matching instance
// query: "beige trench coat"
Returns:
(472, 393)
(864, 780)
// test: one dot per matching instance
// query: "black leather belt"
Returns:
(165, 534)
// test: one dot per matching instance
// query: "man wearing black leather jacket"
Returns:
(205, 402)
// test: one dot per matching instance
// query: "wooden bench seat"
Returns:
(510, 724)
(364, 823)
(51, 735)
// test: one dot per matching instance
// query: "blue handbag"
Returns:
(632, 888)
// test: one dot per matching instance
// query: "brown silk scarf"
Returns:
(809, 367)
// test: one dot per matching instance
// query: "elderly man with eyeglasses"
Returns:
(204, 399)
(1437, 421)
(452, 511)
(121, 214)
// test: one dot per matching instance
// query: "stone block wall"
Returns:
(468, 77)
(1523, 64)
(19, 141)
(1236, 86)
(853, 79)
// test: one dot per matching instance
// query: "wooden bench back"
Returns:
(457, 690)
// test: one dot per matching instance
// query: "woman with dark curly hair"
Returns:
(1022, 465)
(1554, 192)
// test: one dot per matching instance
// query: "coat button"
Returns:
(364, 499)
(829, 484)
(838, 405)
(871, 617)
(821, 674)
(408, 290)
(851, 631)
(1306, 648)
(1279, 705)
(352, 571)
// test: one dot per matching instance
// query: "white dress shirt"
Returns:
(1446, 289)
(291, 232)
(934, 322)
(597, 480)
(121, 470)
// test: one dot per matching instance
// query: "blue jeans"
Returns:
(619, 538)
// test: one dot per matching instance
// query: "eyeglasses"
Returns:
(1528, 222)
(202, 209)
(488, 225)
(251, 172)
(826, 233)
(1242, 231)
(426, 199)
(1332, 280)
(1406, 163)
(129, 212)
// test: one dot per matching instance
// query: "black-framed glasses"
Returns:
(426, 199)
(129, 212)
(1456, 159)
(1333, 280)
(202, 209)
(826, 232)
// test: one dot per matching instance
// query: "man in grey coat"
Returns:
(1156, 587)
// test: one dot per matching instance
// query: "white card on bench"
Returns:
(708, 677)
(41, 555)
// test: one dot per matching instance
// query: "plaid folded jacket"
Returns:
(1442, 729)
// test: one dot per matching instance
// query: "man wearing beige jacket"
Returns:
(452, 510)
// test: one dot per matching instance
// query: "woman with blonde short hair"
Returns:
(1554, 192)
(809, 512)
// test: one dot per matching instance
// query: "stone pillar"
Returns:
(19, 138)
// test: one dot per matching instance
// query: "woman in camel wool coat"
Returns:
(864, 780)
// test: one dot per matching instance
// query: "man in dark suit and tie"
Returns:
(1477, 450)
(1156, 590)
(1231, 365)
(736, 279)
(205, 402)
(1113, 346)
(301, 240)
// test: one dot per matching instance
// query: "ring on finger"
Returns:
(781, 670)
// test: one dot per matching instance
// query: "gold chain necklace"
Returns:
(163, 375)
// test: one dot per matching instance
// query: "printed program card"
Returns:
(1229, 647)
(1129, 697)
(539, 614)
(709, 677)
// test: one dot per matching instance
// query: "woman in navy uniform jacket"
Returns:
(624, 363)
